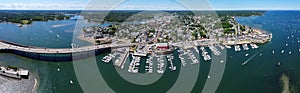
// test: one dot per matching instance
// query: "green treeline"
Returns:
(26, 17)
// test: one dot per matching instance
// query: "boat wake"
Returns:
(244, 63)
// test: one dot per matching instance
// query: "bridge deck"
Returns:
(5, 45)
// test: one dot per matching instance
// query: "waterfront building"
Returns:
(162, 46)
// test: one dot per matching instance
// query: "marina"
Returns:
(205, 54)
(120, 62)
(160, 64)
(181, 57)
(108, 58)
(134, 65)
(149, 66)
(215, 50)
(170, 59)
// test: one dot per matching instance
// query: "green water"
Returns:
(260, 75)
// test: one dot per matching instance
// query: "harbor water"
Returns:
(260, 75)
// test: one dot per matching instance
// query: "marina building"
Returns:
(162, 46)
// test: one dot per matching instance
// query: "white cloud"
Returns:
(39, 6)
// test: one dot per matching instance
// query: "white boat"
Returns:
(245, 47)
(208, 77)
(273, 51)
(71, 82)
(290, 52)
(247, 55)
(286, 44)
(254, 46)
(174, 68)
(282, 51)
(222, 61)
(278, 64)
(58, 69)
(244, 63)
(227, 46)
(237, 48)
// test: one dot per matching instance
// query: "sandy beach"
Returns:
(90, 40)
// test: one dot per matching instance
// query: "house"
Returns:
(162, 46)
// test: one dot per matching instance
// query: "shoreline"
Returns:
(259, 30)
(36, 84)
(90, 40)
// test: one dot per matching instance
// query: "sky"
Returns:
(150, 5)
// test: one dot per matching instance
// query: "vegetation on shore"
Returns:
(27, 17)
(121, 16)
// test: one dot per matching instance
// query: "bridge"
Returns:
(58, 54)
(12, 46)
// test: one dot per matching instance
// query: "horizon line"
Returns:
(153, 10)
